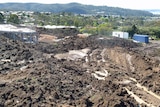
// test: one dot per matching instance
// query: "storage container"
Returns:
(141, 38)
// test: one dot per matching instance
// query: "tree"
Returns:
(89, 29)
(132, 31)
(76, 23)
(13, 18)
(105, 29)
(1, 18)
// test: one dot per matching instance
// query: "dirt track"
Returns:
(111, 73)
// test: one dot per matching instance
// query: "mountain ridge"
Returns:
(76, 8)
(154, 11)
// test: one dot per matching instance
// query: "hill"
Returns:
(73, 8)
(155, 11)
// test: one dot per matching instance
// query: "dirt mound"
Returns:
(59, 32)
(46, 38)
(15, 54)
(102, 76)
(92, 42)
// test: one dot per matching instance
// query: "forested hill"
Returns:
(73, 8)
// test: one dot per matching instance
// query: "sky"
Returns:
(130, 4)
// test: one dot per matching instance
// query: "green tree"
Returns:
(1, 18)
(156, 31)
(89, 29)
(76, 23)
(132, 31)
(105, 29)
(13, 18)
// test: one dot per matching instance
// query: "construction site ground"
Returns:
(72, 71)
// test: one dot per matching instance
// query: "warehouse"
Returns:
(141, 38)
(18, 33)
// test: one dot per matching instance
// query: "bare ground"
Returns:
(112, 73)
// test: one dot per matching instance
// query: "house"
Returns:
(120, 34)
(141, 38)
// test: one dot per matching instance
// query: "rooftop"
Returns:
(141, 35)
(11, 28)
(56, 27)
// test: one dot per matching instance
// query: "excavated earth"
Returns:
(79, 72)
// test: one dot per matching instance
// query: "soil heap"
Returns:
(78, 72)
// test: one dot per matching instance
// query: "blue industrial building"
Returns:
(141, 38)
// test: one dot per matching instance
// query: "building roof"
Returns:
(11, 28)
(141, 35)
(56, 27)
(119, 32)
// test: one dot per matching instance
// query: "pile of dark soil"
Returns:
(92, 42)
(31, 76)
(15, 54)
(59, 32)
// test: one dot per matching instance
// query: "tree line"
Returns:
(93, 24)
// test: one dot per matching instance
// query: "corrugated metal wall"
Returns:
(141, 38)
(119, 34)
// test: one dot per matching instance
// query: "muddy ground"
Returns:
(79, 72)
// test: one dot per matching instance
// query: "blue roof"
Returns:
(141, 35)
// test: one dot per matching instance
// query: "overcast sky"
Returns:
(131, 4)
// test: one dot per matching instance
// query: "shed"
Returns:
(120, 34)
(141, 38)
